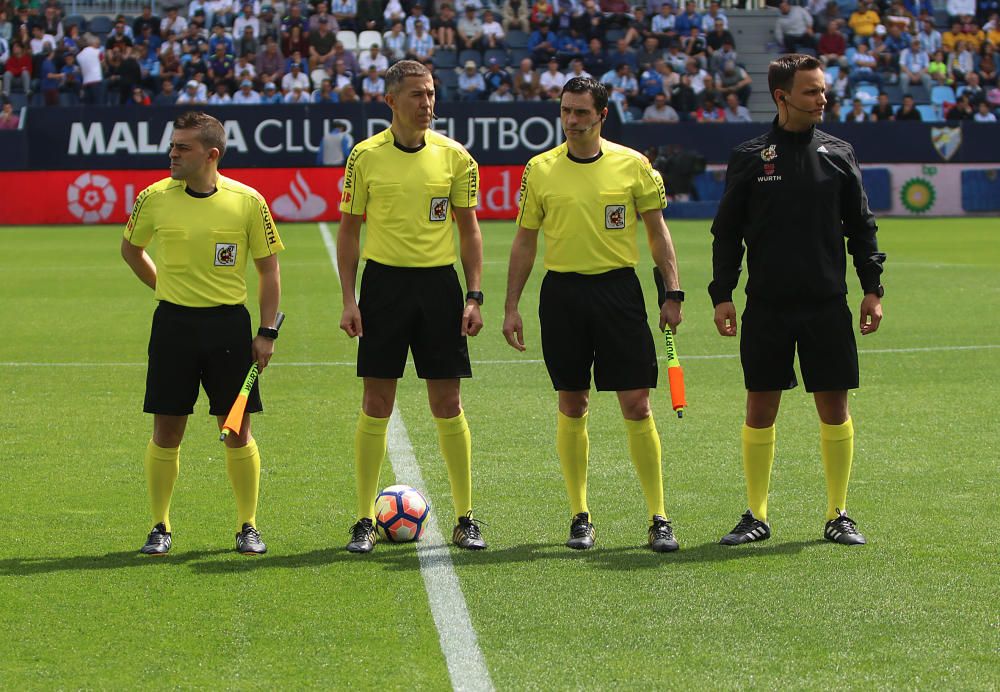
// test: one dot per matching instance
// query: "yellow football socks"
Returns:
(162, 465)
(369, 450)
(837, 449)
(456, 448)
(644, 448)
(573, 446)
(758, 457)
(243, 469)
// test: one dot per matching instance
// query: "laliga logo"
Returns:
(300, 204)
(91, 198)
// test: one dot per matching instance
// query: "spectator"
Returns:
(444, 28)
(863, 21)
(542, 44)
(18, 68)
(502, 94)
(42, 44)
(793, 28)
(394, 13)
(882, 111)
(321, 13)
(192, 94)
(271, 95)
(831, 113)
(495, 76)
(930, 38)
(294, 19)
(270, 25)
(710, 112)
(167, 95)
(420, 45)
(470, 30)
(988, 65)
(960, 110)
(687, 19)
(369, 16)
(244, 69)
(694, 46)
(373, 58)
(668, 75)
(623, 54)
(638, 28)
(718, 37)
(222, 66)
(832, 46)
(349, 95)
(515, 16)
(908, 111)
(663, 25)
(270, 62)
(541, 14)
(146, 19)
(321, 44)
(734, 111)
(91, 60)
(147, 38)
(576, 70)
(8, 119)
(711, 18)
(951, 37)
(697, 76)
(659, 111)
(471, 86)
(173, 23)
(913, 66)
(493, 33)
(527, 86)
(937, 68)
(984, 114)
(325, 93)
(650, 83)
(590, 23)
(295, 41)
(373, 86)
(857, 113)
(552, 79)
(416, 16)
(595, 61)
(863, 66)
(295, 77)
(341, 77)
(734, 80)
(675, 58)
(394, 43)
(349, 59)
(335, 147)
(961, 62)
(648, 54)
(570, 46)
(221, 96)
(297, 95)
(622, 84)
(246, 96)
(247, 20)
(71, 78)
(973, 89)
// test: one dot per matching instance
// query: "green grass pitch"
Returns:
(916, 608)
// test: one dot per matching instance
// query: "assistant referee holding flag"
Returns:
(792, 196)
(207, 226)
(584, 195)
(411, 181)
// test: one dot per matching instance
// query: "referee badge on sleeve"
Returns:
(439, 208)
(614, 217)
(225, 254)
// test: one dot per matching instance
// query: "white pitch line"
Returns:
(519, 361)
(466, 664)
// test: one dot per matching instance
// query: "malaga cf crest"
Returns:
(946, 140)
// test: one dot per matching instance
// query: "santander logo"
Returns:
(300, 204)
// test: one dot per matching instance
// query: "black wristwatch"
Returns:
(878, 291)
(674, 295)
(475, 295)
(267, 333)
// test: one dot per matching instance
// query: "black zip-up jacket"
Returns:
(792, 198)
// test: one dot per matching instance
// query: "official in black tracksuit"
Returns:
(792, 196)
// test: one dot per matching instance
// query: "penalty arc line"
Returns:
(459, 644)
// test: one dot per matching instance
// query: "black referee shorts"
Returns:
(823, 333)
(596, 320)
(188, 346)
(412, 308)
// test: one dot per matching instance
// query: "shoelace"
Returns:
(845, 525)
(361, 531)
(251, 534)
(747, 522)
(580, 528)
(662, 529)
(471, 526)
(157, 536)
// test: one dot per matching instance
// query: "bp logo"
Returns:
(91, 198)
(917, 195)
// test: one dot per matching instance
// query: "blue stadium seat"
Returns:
(499, 54)
(77, 19)
(516, 55)
(449, 79)
(867, 93)
(919, 94)
(942, 93)
(100, 25)
(445, 59)
(473, 55)
(929, 113)
(516, 39)
(613, 35)
(832, 72)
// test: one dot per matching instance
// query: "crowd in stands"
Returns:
(901, 59)
(660, 62)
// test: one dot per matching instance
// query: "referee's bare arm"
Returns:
(522, 259)
(348, 256)
(268, 298)
(470, 240)
(140, 263)
(661, 246)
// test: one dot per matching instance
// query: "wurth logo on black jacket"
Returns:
(791, 199)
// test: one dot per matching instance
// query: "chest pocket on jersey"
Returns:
(438, 203)
(226, 245)
(385, 199)
(557, 206)
(174, 253)
(615, 208)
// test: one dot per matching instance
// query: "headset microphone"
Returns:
(792, 105)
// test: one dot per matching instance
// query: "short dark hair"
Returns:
(395, 75)
(587, 85)
(211, 133)
(781, 71)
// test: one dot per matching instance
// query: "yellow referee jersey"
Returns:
(587, 210)
(203, 241)
(407, 195)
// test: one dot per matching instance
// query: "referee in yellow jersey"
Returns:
(585, 195)
(411, 182)
(206, 227)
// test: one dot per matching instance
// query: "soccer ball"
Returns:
(400, 513)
